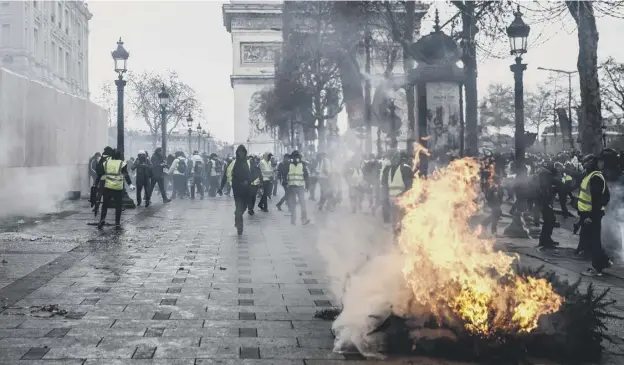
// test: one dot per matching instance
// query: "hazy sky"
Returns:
(189, 37)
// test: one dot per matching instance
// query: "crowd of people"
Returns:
(372, 184)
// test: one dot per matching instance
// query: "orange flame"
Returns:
(451, 270)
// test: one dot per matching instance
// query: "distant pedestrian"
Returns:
(115, 171)
(143, 169)
(238, 177)
(158, 174)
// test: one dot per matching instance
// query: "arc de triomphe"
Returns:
(256, 35)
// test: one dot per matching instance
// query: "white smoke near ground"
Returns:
(613, 223)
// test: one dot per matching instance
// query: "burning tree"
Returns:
(445, 290)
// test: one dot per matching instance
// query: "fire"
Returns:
(452, 271)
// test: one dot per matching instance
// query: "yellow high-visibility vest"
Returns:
(267, 170)
(585, 199)
(566, 178)
(113, 178)
(295, 175)
(395, 183)
(229, 172)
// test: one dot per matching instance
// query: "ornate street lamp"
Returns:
(163, 97)
(120, 56)
(393, 119)
(518, 32)
(189, 123)
(199, 134)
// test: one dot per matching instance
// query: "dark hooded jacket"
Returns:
(240, 172)
(143, 168)
(99, 169)
(157, 161)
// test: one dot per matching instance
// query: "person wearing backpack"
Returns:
(214, 171)
(197, 180)
(179, 170)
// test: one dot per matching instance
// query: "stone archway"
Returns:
(256, 36)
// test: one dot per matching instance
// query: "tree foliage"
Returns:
(143, 89)
(612, 81)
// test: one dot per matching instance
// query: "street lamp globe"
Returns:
(199, 128)
(163, 96)
(120, 56)
(518, 32)
(189, 120)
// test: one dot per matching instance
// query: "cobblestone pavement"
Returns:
(178, 286)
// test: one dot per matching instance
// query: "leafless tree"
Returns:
(143, 89)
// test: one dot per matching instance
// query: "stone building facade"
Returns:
(47, 41)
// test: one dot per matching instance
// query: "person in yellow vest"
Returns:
(395, 180)
(267, 181)
(238, 176)
(214, 170)
(256, 181)
(592, 200)
(115, 171)
(297, 180)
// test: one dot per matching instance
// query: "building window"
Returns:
(5, 37)
(60, 15)
(35, 4)
(26, 39)
(36, 42)
(67, 66)
(80, 73)
(45, 51)
(59, 65)
(53, 56)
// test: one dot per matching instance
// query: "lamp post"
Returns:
(569, 73)
(518, 32)
(204, 135)
(120, 56)
(163, 97)
(199, 134)
(189, 122)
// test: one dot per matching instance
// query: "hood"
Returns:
(108, 151)
(241, 152)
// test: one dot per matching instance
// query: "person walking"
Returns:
(179, 170)
(143, 170)
(214, 171)
(115, 171)
(238, 176)
(256, 180)
(396, 179)
(197, 179)
(297, 181)
(267, 181)
(282, 170)
(593, 198)
(93, 162)
(158, 174)
(547, 184)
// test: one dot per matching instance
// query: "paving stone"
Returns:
(310, 281)
(247, 332)
(92, 301)
(58, 332)
(144, 352)
(316, 292)
(36, 353)
(245, 302)
(168, 302)
(178, 280)
(245, 291)
(161, 315)
(174, 290)
(322, 303)
(244, 272)
(246, 316)
(154, 332)
(249, 353)
(111, 280)
(244, 280)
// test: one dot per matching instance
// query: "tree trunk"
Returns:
(352, 90)
(587, 65)
(469, 58)
(408, 65)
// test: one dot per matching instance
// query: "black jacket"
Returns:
(255, 172)
(282, 172)
(599, 199)
(240, 172)
(143, 168)
(157, 168)
(406, 172)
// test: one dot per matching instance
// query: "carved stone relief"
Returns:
(255, 23)
(259, 52)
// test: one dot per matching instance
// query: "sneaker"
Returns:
(167, 201)
(279, 207)
(118, 227)
(101, 225)
(239, 230)
(147, 203)
(251, 212)
(305, 222)
(591, 272)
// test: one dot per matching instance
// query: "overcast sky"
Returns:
(189, 37)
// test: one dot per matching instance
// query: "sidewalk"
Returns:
(180, 287)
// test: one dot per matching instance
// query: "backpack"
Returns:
(182, 166)
(198, 170)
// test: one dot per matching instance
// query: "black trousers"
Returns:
(197, 182)
(161, 187)
(253, 193)
(267, 189)
(241, 201)
(180, 187)
(493, 218)
(284, 198)
(275, 188)
(548, 216)
(147, 185)
(590, 240)
(213, 186)
(112, 199)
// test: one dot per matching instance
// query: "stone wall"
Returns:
(46, 139)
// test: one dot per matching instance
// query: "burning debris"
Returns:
(443, 289)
